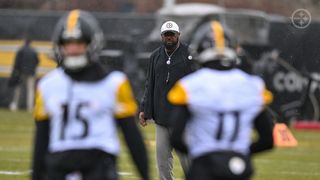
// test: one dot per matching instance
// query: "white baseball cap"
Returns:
(169, 26)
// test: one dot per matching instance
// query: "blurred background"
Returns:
(280, 38)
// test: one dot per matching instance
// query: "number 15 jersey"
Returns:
(223, 105)
(82, 114)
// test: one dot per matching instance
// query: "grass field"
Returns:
(16, 136)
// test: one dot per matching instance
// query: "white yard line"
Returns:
(18, 173)
(292, 173)
(291, 162)
(14, 160)
(125, 173)
(15, 173)
(14, 149)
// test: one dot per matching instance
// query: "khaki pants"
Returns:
(29, 82)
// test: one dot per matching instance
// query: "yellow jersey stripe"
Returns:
(125, 103)
(178, 95)
(72, 20)
(218, 35)
(39, 112)
(267, 96)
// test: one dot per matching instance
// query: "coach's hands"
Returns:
(142, 120)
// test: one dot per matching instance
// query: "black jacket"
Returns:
(26, 61)
(160, 79)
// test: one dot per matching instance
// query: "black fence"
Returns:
(296, 89)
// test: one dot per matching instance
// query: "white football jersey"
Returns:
(82, 114)
(223, 105)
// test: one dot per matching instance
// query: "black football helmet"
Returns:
(78, 25)
(213, 42)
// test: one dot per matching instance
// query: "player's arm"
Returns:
(264, 125)
(41, 139)
(126, 108)
(135, 144)
(148, 91)
(179, 116)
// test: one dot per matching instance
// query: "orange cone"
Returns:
(282, 136)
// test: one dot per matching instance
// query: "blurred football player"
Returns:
(78, 107)
(203, 38)
(215, 110)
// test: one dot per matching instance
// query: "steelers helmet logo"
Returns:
(169, 25)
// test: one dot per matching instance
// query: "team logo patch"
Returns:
(169, 25)
(301, 18)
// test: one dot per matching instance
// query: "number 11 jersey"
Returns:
(223, 105)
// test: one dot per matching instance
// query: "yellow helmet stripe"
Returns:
(72, 20)
(218, 35)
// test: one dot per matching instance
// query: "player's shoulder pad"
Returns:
(51, 76)
(117, 77)
(178, 94)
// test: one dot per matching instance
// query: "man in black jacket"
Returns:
(23, 72)
(168, 64)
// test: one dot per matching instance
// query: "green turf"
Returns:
(16, 136)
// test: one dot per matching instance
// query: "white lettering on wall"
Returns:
(292, 82)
